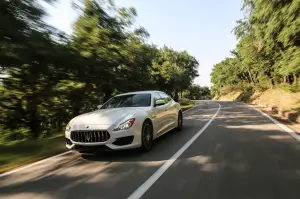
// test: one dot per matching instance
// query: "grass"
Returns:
(14, 155)
(229, 96)
(186, 104)
(279, 98)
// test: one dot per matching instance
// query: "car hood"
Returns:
(106, 116)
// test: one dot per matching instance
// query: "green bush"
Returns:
(7, 135)
(185, 102)
(241, 87)
(290, 88)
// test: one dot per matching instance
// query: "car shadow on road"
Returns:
(165, 146)
(158, 153)
(240, 155)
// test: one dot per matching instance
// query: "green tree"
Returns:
(30, 70)
(47, 78)
(174, 71)
(268, 49)
(104, 33)
(196, 92)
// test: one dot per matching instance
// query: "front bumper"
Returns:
(119, 140)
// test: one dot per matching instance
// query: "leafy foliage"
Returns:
(196, 92)
(268, 51)
(48, 78)
(174, 71)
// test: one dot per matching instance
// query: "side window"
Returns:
(156, 97)
(165, 97)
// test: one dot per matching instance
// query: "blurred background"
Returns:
(48, 77)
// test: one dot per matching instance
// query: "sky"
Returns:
(201, 27)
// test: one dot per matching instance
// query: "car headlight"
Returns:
(125, 125)
(68, 128)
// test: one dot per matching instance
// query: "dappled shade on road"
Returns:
(242, 154)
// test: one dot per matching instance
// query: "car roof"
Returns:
(139, 92)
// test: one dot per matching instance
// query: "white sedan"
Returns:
(129, 120)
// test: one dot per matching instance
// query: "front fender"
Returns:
(140, 118)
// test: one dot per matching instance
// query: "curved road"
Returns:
(240, 154)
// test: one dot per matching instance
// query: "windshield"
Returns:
(133, 100)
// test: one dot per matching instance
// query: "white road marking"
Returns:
(208, 109)
(44, 160)
(33, 164)
(148, 183)
(190, 109)
(282, 126)
(200, 109)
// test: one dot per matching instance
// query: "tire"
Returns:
(147, 136)
(179, 121)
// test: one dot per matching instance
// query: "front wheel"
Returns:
(180, 121)
(147, 136)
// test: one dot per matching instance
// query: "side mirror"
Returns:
(160, 102)
(99, 106)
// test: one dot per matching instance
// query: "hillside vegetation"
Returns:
(264, 67)
(267, 54)
(279, 102)
(279, 98)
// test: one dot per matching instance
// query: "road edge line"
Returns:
(142, 189)
(33, 164)
(190, 109)
(55, 156)
(282, 126)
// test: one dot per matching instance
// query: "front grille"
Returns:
(90, 136)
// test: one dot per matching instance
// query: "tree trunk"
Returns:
(247, 77)
(271, 78)
(284, 79)
(34, 123)
(176, 96)
(289, 79)
(272, 83)
(256, 75)
(250, 76)
(107, 95)
(295, 78)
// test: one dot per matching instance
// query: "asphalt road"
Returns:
(241, 154)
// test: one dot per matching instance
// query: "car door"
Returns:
(167, 114)
(173, 113)
(158, 118)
